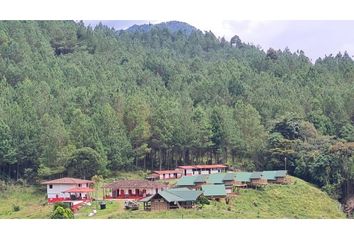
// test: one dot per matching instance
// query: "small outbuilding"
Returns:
(171, 199)
(214, 191)
(278, 176)
(257, 180)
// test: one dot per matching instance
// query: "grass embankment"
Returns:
(31, 202)
(296, 200)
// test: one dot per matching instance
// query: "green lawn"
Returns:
(296, 200)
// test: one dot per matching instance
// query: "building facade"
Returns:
(202, 169)
(68, 189)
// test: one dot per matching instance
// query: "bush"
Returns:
(16, 208)
(61, 204)
(3, 186)
(203, 200)
(62, 213)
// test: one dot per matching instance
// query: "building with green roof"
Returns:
(214, 191)
(171, 199)
(277, 176)
(269, 175)
(186, 181)
(217, 178)
(243, 177)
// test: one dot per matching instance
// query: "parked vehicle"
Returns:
(131, 205)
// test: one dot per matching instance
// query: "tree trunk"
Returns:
(146, 155)
(160, 159)
(152, 159)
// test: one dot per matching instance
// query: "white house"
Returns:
(202, 169)
(68, 189)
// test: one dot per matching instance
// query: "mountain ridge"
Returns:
(173, 26)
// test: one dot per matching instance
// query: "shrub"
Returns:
(62, 213)
(16, 208)
(203, 200)
(61, 204)
(3, 186)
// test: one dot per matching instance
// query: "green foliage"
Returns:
(16, 208)
(203, 200)
(85, 163)
(62, 213)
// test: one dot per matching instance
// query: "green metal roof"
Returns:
(229, 176)
(243, 176)
(216, 178)
(201, 178)
(170, 197)
(281, 173)
(256, 175)
(269, 175)
(186, 181)
(214, 190)
(180, 195)
(147, 199)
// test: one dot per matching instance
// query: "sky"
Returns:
(316, 38)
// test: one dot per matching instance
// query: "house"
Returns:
(153, 177)
(192, 182)
(202, 169)
(281, 176)
(133, 189)
(171, 199)
(214, 191)
(256, 179)
(165, 174)
(225, 179)
(197, 181)
(68, 189)
(278, 176)
(243, 179)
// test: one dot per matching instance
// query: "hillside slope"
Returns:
(297, 200)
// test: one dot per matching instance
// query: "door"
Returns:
(137, 192)
(122, 192)
(130, 192)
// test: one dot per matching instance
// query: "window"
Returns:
(50, 186)
(79, 185)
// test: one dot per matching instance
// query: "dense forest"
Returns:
(83, 101)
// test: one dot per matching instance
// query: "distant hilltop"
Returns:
(173, 26)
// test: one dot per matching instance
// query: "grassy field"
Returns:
(30, 200)
(297, 200)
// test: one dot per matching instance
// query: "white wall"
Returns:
(189, 172)
(58, 189)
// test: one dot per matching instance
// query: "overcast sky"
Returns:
(315, 38)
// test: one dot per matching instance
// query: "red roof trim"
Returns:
(203, 166)
(168, 171)
(79, 190)
(67, 181)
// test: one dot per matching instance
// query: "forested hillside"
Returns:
(81, 101)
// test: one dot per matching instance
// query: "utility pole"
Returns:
(285, 162)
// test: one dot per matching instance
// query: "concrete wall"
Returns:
(57, 190)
